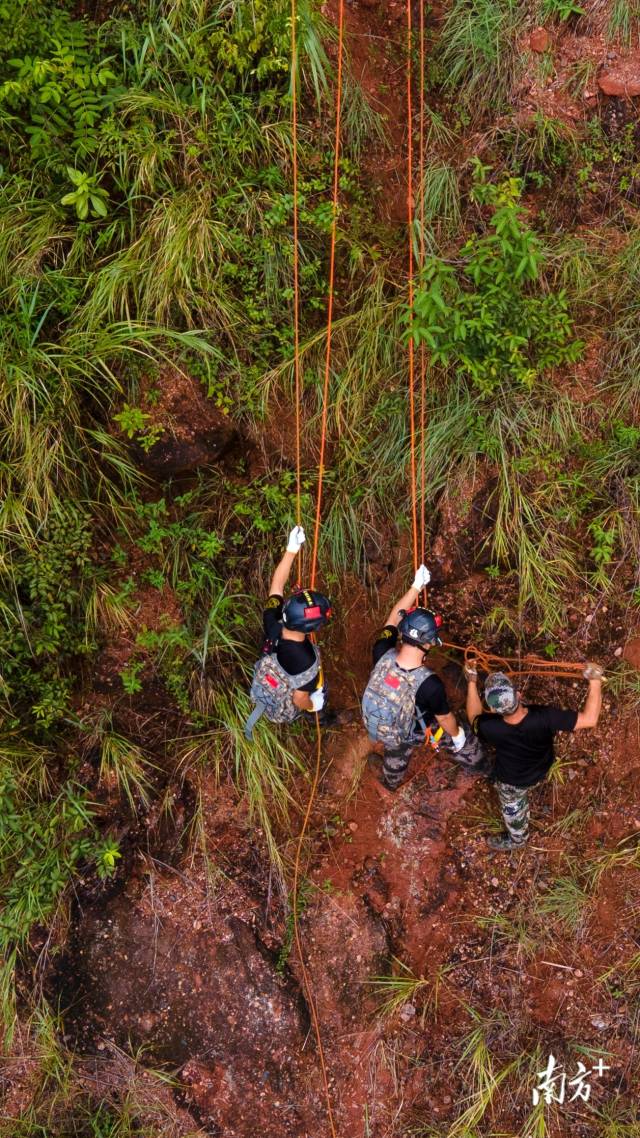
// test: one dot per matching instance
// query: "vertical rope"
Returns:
(314, 558)
(423, 355)
(411, 345)
(296, 252)
(423, 352)
(330, 295)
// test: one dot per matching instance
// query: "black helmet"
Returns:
(306, 611)
(420, 627)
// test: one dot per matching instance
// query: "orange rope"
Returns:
(298, 938)
(296, 252)
(316, 535)
(411, 345)
(330, 294)
(423, 355)
(527, 665)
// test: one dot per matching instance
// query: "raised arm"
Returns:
(283, 568)
(421, 580)
(474, 703)
(590, 713)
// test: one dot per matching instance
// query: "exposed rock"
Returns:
(622, 78)
(379, 556)
(539, 39)
(194, 432)
(465, 524)
(239, 1033)
(171, 455)
(346, 945)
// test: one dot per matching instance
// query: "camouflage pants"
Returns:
(397, 759)
(514, 803)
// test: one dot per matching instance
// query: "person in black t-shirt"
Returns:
(399, 655)
(287, 625)
(522, 738)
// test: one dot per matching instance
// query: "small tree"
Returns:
(487, 315)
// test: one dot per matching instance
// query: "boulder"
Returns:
(622, 78)
(191, 430)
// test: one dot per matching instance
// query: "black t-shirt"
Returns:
(294, 656)
(524, 750)
(431, 698)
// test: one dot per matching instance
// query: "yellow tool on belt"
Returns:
(434, 737)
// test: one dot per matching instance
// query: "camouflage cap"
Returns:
(500, 693)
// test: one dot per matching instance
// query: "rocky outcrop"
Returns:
(192, 431)
(192, 983)
(621, 78)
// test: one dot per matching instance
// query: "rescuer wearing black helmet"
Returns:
(287, 625)
(403, 696)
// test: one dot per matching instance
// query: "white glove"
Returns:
(317, 699)
(593, 672)
(296, 540)
(421, 579)
(470, 670)
(459, 740)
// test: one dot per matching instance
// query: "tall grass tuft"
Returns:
(478, 50)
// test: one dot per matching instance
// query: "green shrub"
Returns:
(43, 628)
(489, 317)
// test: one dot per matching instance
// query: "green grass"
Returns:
(396, 991)
(65, 1100)
(439, 203)
(263, 770)
(624, 21)
(567, 903)
(478, 50)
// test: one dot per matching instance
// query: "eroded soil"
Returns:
(190, 957)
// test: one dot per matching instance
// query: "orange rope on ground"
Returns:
(296, 252)
(316, 535)
(330, 293)
(411, 345)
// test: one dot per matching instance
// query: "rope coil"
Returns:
(527, 665)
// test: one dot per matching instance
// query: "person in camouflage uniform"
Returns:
(288, 679)
(404, 697)
(522, 738)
